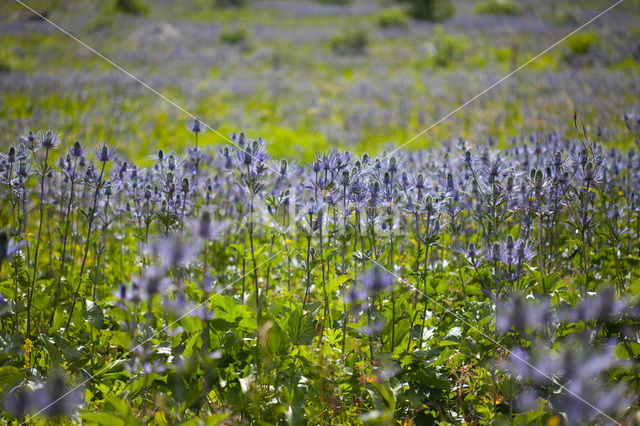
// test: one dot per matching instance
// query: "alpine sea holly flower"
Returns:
(159, 156)
(520, 314)
(581, 369)
(206, 228)
(56, 398)
(376, 280)
(195, 126)
(601, 307)
(373, 329)
(49, 139)
(12, 156)
(473, 257)
(154, 281)
(77, 150)
(53, 398)
(175, 252)
(105, 154)
(31, 141)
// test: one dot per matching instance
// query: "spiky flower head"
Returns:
(105, 154)
(49, 139)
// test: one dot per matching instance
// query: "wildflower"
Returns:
(195, 126)
(77, 150)
(472, 256)
(175, 252)
(205, 228)
(519, 314)
(373, 329)
(11, 156)
(31, 141)
(152, 282)
(56, 398)
(376, 280)
(28, 348)
(49, 139)
(105, 154)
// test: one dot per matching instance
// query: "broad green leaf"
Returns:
(93, 314)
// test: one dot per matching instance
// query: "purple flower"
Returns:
(7, 247)
(376, 280)
(195, 126)
(49, 139)
(175, 252)
(105, 154)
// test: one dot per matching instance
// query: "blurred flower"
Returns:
(7, 247)
(175, 251)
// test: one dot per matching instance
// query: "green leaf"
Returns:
(106, 419)
(239, 248)
(9, 375)
(118, 338)
(41, 301)
(335, 282)
(277, 340)
(69, 351)
(221, 324)
(93, 314)
(302, 328)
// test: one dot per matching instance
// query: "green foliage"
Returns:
(562, 13)
(350, 42)
(335, 1)
(431, 10)
(8, 61)
(446, 49)
(442, 373)
(105, 19)
(234, 36)
(498, 7)
(395, 17)
(230, 3)
(582, 42)
(132, 7)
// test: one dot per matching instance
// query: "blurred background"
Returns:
(310, 75)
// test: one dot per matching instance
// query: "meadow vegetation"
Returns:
(287, 258)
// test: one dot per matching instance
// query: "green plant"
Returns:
(230, 3)
(8, 61)
(235, 36)
(334, 1)
(446, 48)
(394, 17)
(102, 20)
(498, 7)
(581, 43)
(431, 10)
(353, 41)
(565, 14)
(132, 7)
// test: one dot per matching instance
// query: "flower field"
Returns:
(155, 271)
